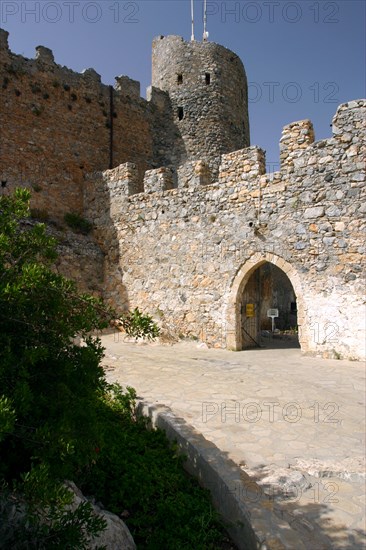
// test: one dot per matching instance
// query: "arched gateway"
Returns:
(236, 333)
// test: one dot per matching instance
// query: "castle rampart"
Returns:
(183, 211)
(61, 125)
(58, 125)
(180, 250)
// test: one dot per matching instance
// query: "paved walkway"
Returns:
(295, 424)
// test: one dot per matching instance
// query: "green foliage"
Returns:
(59, 419)
(137, 324)
(161, 504)
(77, 223)
(41, 515)
(50, 386)
(7, 417)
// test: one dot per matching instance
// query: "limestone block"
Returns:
(158, 180)
(116, 536)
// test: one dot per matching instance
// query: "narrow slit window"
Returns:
(180, 113)
(180, 79)
(208, 79)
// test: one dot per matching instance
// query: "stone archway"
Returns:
(233, 315)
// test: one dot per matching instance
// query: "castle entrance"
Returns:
(269, 309)
(265, 307)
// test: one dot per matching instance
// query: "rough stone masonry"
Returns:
(190, 216)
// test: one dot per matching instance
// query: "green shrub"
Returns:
(77, 223)
(138, 474)
(49, 387)
(44, 519)
(137, 324)
(59, 419)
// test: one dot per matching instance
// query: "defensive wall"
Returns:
(58, 125)
(182, 208)
(185, 254)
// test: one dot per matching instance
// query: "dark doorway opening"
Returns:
(268, 310)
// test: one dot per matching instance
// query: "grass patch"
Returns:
(39, 213)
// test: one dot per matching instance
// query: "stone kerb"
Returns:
(242, 165)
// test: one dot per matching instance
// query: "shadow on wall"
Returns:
(169, 149)
(104, 214)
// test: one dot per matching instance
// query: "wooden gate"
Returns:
(250, 312)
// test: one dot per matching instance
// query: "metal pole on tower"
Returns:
(192, 17)
(205, 33)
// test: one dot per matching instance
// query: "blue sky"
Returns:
(303, 58)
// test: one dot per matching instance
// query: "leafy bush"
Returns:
(135, 323)
(49, 386)
(161, 504)
(41, 515)
(59, 419)
(77, 223)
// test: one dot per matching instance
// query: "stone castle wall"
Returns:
(184, 217)
(186, 254)
(58, 125)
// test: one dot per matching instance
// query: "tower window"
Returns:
(180, 113)
(180, 78)
(208, 78)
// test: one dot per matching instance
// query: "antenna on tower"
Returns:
(205, 33)
(192, 17)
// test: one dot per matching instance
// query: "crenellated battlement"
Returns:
(44, 61)
(296, 138)
(68, 124)
(245, 168)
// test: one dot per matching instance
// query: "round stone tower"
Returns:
(208, 92)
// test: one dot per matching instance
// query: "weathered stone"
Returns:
(116, 536)
(333, 211)
(339, 226)
(227, 234)
(314, 212)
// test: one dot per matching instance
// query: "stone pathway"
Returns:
(295, 424)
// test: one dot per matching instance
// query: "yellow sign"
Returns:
(249, 310)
